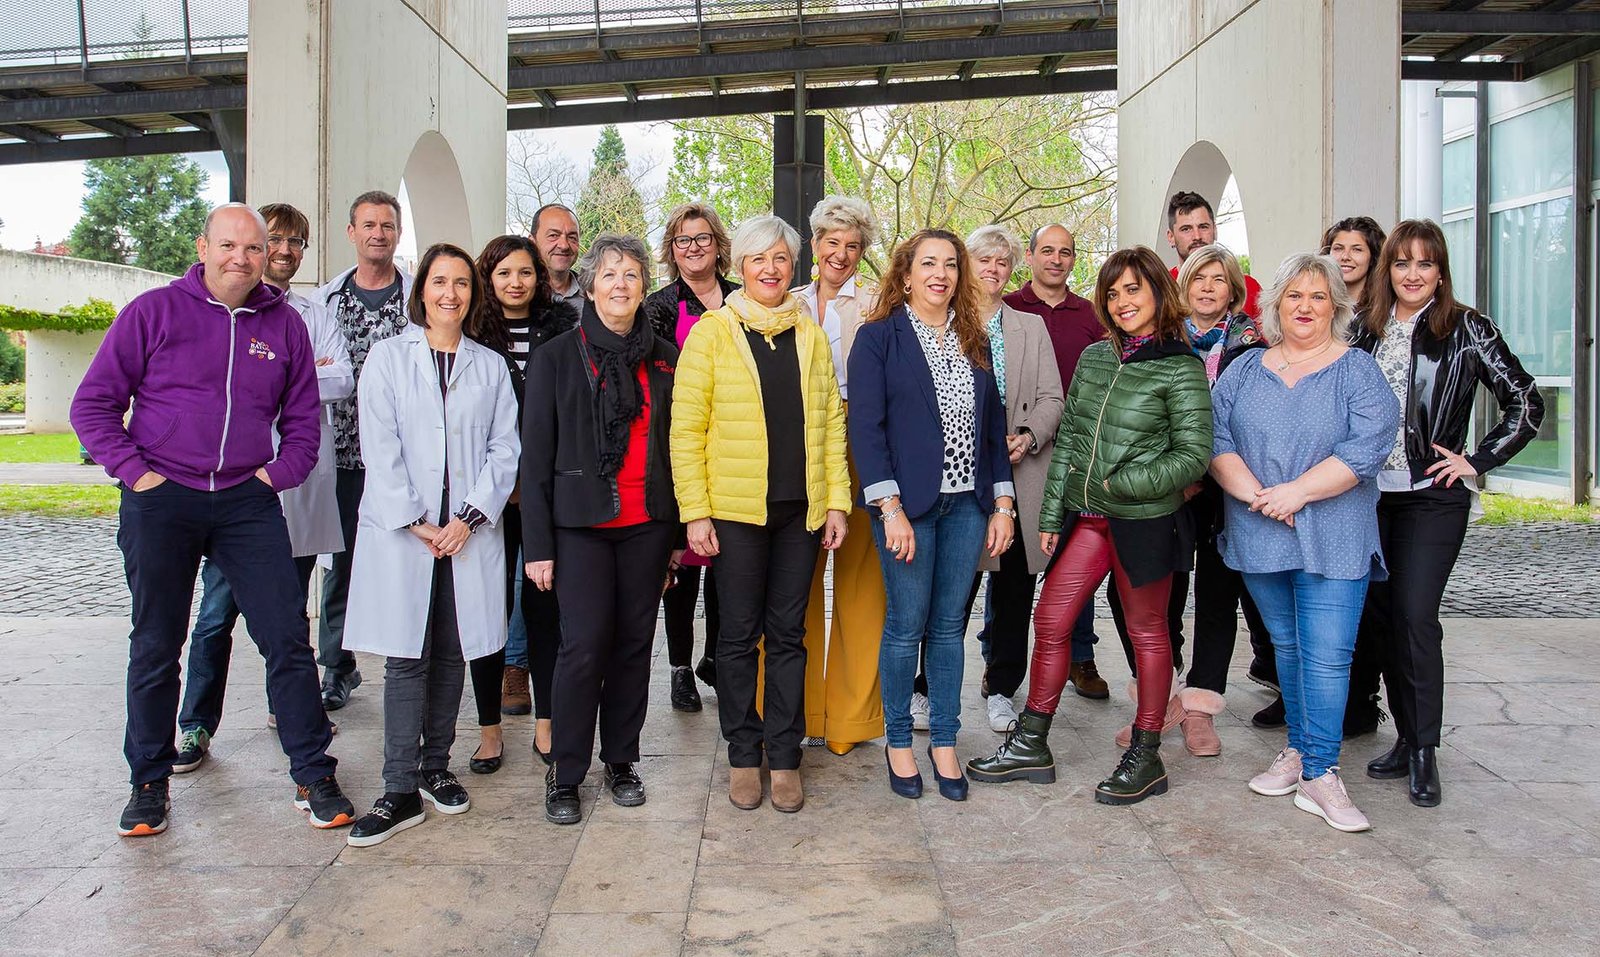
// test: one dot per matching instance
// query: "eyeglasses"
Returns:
(701, 239)
(293, 242)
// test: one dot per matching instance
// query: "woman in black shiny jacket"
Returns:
(1434, 353)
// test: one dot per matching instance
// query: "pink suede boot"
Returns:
(1199, 732)
(1173, 717)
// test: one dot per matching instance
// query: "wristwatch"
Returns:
(1010, 513)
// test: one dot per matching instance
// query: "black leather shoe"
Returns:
(706, 671)
(561, 803)
(484, 765)
(1271, 716)
(336, 689)
(685, 697)
(1424, 768)
(624, 784)
(1394, 764)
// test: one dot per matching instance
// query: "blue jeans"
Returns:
(927, 600)
(517, 629)
(1083, 637)
(1313, 621)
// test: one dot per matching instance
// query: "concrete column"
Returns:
(356, 94)
(1298, 99)
(1421, 151)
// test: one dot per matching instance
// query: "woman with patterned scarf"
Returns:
(599, 520)
(758, 457)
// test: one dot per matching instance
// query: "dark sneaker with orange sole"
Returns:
(146, 813)
(328, 806)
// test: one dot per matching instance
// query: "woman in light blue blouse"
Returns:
(1301, 429)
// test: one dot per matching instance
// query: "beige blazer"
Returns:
(1034, 401)
(852, 303)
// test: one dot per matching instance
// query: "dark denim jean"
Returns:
(1313, 621)
(927, 601)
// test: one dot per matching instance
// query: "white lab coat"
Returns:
(312, 509)
(408, 433)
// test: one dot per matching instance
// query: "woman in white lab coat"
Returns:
(427, 590)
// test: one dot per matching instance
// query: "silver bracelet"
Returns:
(888, 515)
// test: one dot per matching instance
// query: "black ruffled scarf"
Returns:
(618, 398)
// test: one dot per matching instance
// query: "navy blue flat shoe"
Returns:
(906, 787)
(951, 789)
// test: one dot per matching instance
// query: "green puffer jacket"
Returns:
(1133, 436)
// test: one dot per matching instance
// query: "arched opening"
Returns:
(1206, 171)
(433, 198)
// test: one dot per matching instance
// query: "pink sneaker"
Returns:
(1326, 798)
(1281, 777)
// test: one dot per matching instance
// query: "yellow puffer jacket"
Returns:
(719, 430)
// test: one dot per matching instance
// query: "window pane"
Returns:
(1548, 456)
(1531, 153)
(1530, 285)
(1460, 161)
(1461, 238)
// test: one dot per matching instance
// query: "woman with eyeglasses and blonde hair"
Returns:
(697, 254)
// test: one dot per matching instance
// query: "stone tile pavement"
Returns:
(71, 567)
(1507, 865)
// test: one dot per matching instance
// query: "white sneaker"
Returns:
(919, 711)
(1002, 713)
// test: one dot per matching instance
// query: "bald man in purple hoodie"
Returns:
(211, 363)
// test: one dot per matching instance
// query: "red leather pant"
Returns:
(1084, 559)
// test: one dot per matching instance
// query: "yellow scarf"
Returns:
(758, 318)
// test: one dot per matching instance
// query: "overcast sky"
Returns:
(44, 200)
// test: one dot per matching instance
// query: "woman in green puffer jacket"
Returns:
(1135, 434)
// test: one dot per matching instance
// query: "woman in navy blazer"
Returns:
(928, 434)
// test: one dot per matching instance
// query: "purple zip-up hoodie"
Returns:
(207, 385)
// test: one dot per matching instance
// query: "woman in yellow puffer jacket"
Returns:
(758, 464)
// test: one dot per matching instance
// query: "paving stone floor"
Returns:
(1539, 570)
(1508, 865)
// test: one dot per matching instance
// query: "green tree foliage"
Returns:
(142, 211)
(610, 200)
(1020, 162)
(13, 360)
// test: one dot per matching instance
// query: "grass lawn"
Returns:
(60, 501)
(1506, 510)
(61, 447)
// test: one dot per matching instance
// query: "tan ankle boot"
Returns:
(788, 793)
(1199, 731)
(744, 788)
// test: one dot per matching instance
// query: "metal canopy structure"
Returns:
(84, 80)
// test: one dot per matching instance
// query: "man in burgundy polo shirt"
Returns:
(1190, 225)
(1072, 325)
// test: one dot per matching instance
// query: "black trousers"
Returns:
(488, 673)
(609, 583)
(348, 485)
(678, 608)
(764, 584)
(541, 615)
(1421, 533)
(1219, 595)
(163, 533)
(1176, 604)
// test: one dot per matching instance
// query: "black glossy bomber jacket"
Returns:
(1445, 373)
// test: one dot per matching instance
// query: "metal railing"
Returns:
(63, 32)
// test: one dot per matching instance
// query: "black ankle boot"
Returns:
(1139, 775)
(1362, 716)
(1424, 768)
(1393, 764)
(1024, 756)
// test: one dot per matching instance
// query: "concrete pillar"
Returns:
(357, 94)
(229, 126)
(1298, 99)
(1421, 151)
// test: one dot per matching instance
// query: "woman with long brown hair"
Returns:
(921, 384)
(519, 314)
(1354, 244)
(1434, 352)
(1135, 434)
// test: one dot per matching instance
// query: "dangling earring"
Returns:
(908, 290)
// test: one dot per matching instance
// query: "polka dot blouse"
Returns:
(956, 389)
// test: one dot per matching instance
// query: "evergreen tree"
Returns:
(142, 211)
(610, 200)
